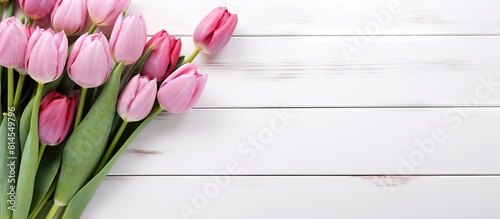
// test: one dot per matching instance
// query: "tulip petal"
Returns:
(176, 95)
(89, 69)
(42, 67)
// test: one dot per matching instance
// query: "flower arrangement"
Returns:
(86, 97)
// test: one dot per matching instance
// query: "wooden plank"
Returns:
(320, 17)
(318, 142)
(296, 197)
(314, 72)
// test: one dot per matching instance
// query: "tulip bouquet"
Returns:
(86, 97)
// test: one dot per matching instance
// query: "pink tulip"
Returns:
(13, 41)
(137, 99)
(215, 30)
(46, 55)
(182, 89)
(36, 9)
(89, 62)
(55, 118)
(128, 39)
(162, 60)
(105, 12)
(69, 16)
(22, 68)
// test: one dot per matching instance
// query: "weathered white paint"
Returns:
(350, 115)
(318, 141)
(313, 72)
(323, 17)
(300, 197)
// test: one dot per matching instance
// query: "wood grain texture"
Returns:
(417, 97)
(313, 72)
(318, 142)
(320, 17)
(299, 197)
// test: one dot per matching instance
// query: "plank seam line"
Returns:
(348, 35)
(308, 175)
(344, 107)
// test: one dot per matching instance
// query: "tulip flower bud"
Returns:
(163, 58)
(89, 62)
(13, 41)
(46, 55)
(128, 39)
(215, 30)
(104, 13)
(36, 9)
(182, 89)
(137, 99)
(55, 118)
(69, 16)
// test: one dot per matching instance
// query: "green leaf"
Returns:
(138, 66)
(46, 174)
(78, 203)
(87, 143)
(29, 164)
(45, 210)
(24, 124)
(180, 61)
(4, 172)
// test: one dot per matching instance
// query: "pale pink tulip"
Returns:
(215, 30)
(105, 12)
(13, 41)
(36, 9)
(182, 89)
(163, 59)
(69, 16)
(137, 99)
(55, 118)
(89, 62)
(46, 55)
(128, 39)
(22, 68)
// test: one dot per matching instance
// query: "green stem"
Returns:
(192, 56)
(111, 148)
(38, 208)
(53, 211)
(81, 104)
(10, 9)
(1, 11)
(19, 89)
(92, 29)
(40, 152)
(30, 22)
(10, 87)
(156, 111)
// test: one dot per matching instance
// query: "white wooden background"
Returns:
(406, 127)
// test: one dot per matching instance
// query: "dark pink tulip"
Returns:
(215, 30)
(182, 89)
(137, 99)
(128, 39)
(69, 16)
(55, 118)
(46, 55)
(162, 60)
(36, 9)
(13, 41)
(105, 12)
(89, 62)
